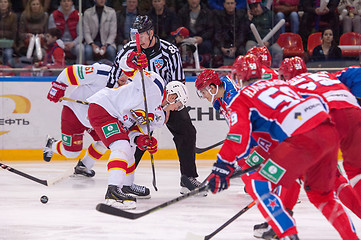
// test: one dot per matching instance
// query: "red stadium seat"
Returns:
(350, 38)
(6, 73)
(292, 45)
(313, 40)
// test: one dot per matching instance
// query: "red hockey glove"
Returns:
(145, 143)
(219, 178)
(57, 91)
(137, 60)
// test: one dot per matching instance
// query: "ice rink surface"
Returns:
(70, 212)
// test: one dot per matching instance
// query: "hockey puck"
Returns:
(44, 199)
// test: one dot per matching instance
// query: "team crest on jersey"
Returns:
(140, 116)
(158, 63)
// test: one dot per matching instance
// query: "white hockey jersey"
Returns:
(126, 103)
(89, 80)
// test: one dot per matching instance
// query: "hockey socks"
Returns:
(95, 151)
(335, 214)
(348, 195)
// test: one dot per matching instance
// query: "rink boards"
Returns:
(27, 116)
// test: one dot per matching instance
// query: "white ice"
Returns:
(70, 212)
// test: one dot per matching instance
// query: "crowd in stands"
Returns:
(219, 30)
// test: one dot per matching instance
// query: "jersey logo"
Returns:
(110, 129)
(158, 63)
(272, 171)
(298, 116)
(66, 139)
(140, 116)
(234, 137)
(272, 204)
(254, 159)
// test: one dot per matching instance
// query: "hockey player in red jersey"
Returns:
(308, 147)
(265, 59)
(74, 117)
(345, 112)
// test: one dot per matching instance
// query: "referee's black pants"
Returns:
(184, 137)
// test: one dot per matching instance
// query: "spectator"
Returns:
(55, 56)
(198, 19)
(186, 46)
(313, 15)
(8, 30)
(125, 20)
(33, 21)
(287, 9)
(264, 20)
(219, 4)
(230, 32)
(164, 20)
(328, 49)
(350, 11)
(100, 24)
(45, 3)
(66, 18)
(145, 6)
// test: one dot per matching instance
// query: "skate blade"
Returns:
(185, 190)
(125, 205)
(192, 236)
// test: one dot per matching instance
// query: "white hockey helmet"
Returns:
(180, 89)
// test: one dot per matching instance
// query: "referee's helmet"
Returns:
(142, 23)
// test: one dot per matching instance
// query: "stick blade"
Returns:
(192, 236)
(61, 177)
(104, 208)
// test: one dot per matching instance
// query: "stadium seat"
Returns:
(350, 38)
(292, 45)
(313, 40)
(6, 73)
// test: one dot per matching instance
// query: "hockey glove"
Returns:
(57, 91)
(219, 178)
(145, 143)
(137, 60)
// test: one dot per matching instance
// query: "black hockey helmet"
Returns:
(142, 23)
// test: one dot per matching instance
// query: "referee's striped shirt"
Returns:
(163, 58)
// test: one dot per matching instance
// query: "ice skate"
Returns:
(116, 198)
(260, 229)
(192, 184)
(48, 153)
(136, 191)
(81, 169)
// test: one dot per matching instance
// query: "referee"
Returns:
(164, 59)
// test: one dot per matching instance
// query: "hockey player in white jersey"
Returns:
(118, 116)
(89, 79)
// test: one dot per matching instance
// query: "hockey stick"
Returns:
(101, 207)
(44, 182)
(74, 100)
(146, 112)
(192, 236)
(202, 150)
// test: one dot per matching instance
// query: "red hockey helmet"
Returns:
(291, 67)
(247, 67)
(263, 54)
(206, 78)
